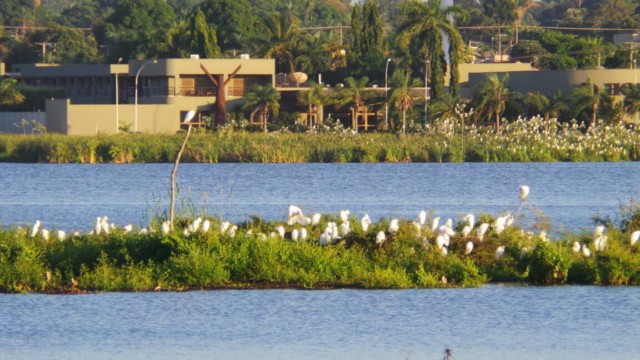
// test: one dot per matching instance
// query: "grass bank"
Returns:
(525, 140)
(215, 254)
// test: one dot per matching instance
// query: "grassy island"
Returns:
(331, 252)
(524, 140)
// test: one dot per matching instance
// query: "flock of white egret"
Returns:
(299, 227)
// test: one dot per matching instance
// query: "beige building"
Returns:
(166, 89)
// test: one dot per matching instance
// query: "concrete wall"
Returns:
(9, 120)
(547, 82)
(79, 119)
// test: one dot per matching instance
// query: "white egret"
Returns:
(35, 229)
(280, 230)
(295, 215)
(315, 219)
(585, 250)
(633, 239)
(434, 223)
(543, 236)
(499, 252)
(524, 192)
(128, 228)
(232, 231)
(417, 226)
(394, 226)
(599, 231)
(601, 243)
(449, 223)
(303, 234)
(446, 230)
(444, 251)
(62, 235)
(422, 217)
(166, 228)
(365, 222)
(45, 234)
(466, 231)
(98, 226)
(440, 241)
(206, 225)
(499, 224)
(186, 232)
(294, 235)
(324, 239)
(576, 247)
(471, 220)
(468, 248)
(188, 116)
(224, 227)
(76, 233)
(380, 238)
(144, 231)
(482, 229)
(105, 225)
(344, 229)
(344, 215)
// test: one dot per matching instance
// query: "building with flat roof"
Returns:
(166, 89)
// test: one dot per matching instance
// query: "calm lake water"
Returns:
(493, 322)
(72, 196)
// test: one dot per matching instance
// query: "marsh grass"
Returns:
(523, 140)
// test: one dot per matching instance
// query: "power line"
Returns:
(483, 27)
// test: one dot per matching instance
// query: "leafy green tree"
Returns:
(617, 14)
(592, 52)
(9, 93)
(262, 100)
(503, 12)
(423, 28)
(528, 51)
(194, 36)
(73, 46)
(234, 20)
(367, 48)
(490, 97)
(137, 29)
(84, 14)
(11, 10)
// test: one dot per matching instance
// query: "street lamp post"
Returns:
(426, 90)
(635, 73)
(386, 103)
(117, 98)
(135, 125)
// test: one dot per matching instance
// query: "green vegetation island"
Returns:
(524, 140)
(322, 251)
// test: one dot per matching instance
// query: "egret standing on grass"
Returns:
(634, 237)
(186, 120)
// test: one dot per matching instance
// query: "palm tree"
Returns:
(401, 94)
(490, 97)
(279, 38)
(588, 96)
(313, 54)
(631, 100)
(313, 98)
(522, 8)
(424, 27)
(352, 93)
(445, 107)
(262, 99)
